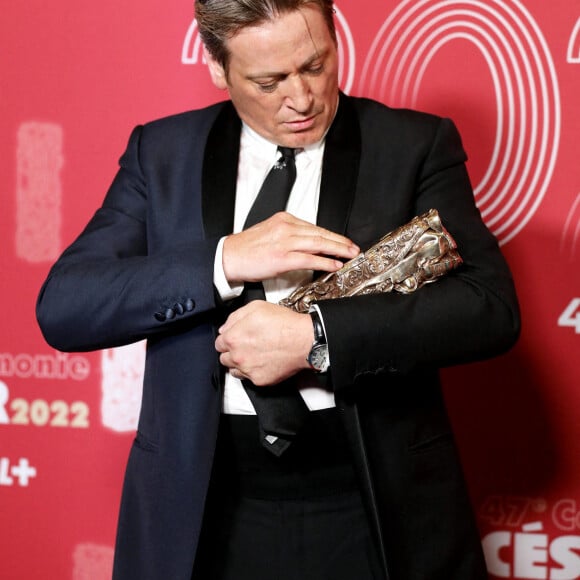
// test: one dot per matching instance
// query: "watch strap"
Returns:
(319, 334)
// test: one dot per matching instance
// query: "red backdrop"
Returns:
(77, 76)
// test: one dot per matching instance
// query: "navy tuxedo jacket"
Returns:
(143, 269)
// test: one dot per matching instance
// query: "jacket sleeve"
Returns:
(108, 289)
(470, 314)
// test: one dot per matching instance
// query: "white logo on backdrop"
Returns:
(573, 55)
(39, 160)
(192, 53)
(571, 316)
(16, 473)
(122, 383)
(524, 80)
(346, 52)
(535, 554)
(519, 547)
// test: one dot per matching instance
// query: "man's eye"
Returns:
(267, 87)
(315, 70)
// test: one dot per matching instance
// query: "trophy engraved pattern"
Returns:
(403, 260)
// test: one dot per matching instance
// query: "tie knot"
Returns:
(288, 154)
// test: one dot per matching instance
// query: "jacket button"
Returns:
(178, 308)
(189, 305)
(160, 316)
(169, 313)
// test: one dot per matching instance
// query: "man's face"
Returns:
(283, 77)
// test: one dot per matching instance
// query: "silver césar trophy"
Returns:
(403, 260)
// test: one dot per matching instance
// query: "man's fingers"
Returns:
(264, 342)
(323, 238)
(280, 244)
(305, 261)
(318, 243)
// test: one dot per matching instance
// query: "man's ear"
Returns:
(216, 70)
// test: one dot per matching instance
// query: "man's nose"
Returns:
(299, 96)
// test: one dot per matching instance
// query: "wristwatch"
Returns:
(318, 358)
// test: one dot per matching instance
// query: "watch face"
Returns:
(318, 357)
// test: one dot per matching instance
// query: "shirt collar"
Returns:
(266, 149)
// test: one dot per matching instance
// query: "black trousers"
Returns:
(297, 517)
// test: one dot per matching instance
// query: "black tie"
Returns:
(280, 409)
(275, 191)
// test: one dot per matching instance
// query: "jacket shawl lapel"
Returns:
(219, 174)
(339, 168)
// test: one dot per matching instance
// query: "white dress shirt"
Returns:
(257, 156)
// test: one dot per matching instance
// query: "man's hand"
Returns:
(265, 343)
(280, 244)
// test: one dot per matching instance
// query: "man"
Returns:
(370, 486)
